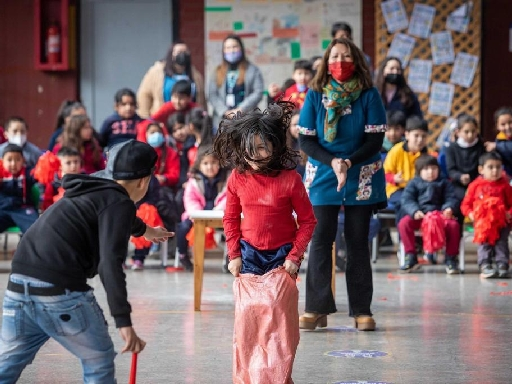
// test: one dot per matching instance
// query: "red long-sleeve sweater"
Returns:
(171, 168)
(268, 204)
(168, 109)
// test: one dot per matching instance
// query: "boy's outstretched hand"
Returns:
(234, 266)
(133, 342)
(157, 234)
(290, 267)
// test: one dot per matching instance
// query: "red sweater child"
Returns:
(292, 94)
(489, 202)
(268, 205)
(168, 109)
(167, 166)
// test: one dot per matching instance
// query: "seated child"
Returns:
(167, 169)
(503, 143)
(16, 131)
(399, 163)
(122, 125)
(395, 132)
(427, 192)
(488, 202)
(16, 206)
(147, 211)
(296, 93)
(181, 100)
(200, 126)
(205, 190)
(463, 154)
(49, 171)
(78, 134)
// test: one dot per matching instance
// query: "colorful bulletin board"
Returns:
(439, 44)
(276, 32)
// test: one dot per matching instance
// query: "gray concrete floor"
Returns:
(431, 328)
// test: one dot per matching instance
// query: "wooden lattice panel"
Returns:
(465, 99)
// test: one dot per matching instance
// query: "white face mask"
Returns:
(18, 140)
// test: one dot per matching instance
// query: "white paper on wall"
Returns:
(421, 20)
(420, 73)
(464, 69)
(394, 14)
(441, 99)
(401, 47)
(442, 48)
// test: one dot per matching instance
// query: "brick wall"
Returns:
(192, 29)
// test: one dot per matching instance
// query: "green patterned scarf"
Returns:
(338, 96)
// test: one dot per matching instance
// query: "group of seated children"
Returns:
(477, 188)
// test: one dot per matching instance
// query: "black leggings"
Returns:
(319, 298)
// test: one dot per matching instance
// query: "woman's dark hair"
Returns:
(201, 123)
(403, 90)
(235, 144)
(425, 161)
(502, 111)
(222, 69)
(341, 26)
(361, 66)
(163, 157)
(118, 98)
(65, 110)
(169, 62)
(176, 118)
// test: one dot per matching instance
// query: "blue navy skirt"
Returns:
(260, 262)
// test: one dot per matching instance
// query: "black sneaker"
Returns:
(487, 271)
(186, 263)
(452, 266)
(411, 263)
(430, 258)
(503, 271)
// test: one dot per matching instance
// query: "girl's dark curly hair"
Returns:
(235, 145)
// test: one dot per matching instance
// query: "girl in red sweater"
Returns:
(167, 169)
(266, 248)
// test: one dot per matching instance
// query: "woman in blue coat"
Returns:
(341, 126)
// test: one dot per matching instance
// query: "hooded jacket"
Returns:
(80, 236)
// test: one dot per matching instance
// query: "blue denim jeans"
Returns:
(260, 262)
(74, 319)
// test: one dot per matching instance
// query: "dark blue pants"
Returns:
(260, 262)
(22, 218)
(181, 235)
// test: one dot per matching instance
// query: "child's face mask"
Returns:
(156, 139)
(18, 139)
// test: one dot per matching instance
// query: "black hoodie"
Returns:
(83, 234)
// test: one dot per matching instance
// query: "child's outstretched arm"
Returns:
(305, 219)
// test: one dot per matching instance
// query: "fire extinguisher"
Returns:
(53, 44)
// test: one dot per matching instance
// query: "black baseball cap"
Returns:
(129, 160)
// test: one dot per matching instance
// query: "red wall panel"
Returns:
(25, 91)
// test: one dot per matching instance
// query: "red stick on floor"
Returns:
(133, 370)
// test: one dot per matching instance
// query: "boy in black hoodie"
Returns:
(83, 234)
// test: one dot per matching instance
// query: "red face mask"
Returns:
(342, 70)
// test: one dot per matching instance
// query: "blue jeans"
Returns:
(74, 319)
(260, 262)
(22, 218)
